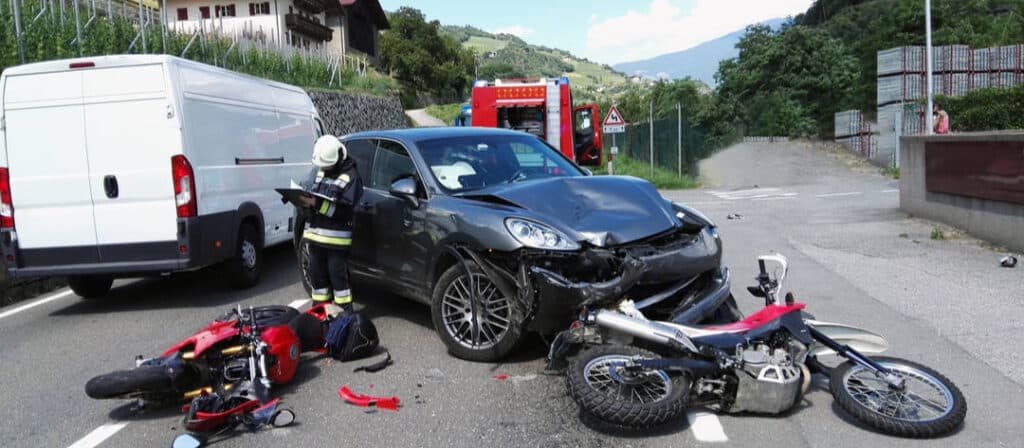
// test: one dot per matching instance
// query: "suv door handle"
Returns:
(365, 205)
(110, 186)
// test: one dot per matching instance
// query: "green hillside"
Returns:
(504, 55)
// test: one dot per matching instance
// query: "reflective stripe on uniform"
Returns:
(316, 236)
(343, 297)
(324, 207)
(320, 295)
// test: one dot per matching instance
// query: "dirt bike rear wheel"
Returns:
(642, 400)
(930, 405)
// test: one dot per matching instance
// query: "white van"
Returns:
(133, 165)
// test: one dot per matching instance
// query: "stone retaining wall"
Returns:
(345, 113)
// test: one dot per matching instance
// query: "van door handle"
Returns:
(110, 185)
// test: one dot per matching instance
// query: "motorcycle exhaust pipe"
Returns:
(656, 332)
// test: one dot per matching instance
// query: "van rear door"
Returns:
(49, 169)
(131, 135)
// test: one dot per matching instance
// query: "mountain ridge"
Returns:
(699, 62)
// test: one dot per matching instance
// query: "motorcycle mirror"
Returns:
(283, 418)
(186, 441)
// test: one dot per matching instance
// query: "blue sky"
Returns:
(607, 31)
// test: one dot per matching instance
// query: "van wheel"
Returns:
(247, 263)
(90, 286)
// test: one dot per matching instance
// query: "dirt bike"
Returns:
(258, 346)
(761, 364)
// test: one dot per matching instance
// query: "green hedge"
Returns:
(47, 39)
(986, 109)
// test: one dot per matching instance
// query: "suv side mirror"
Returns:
(405, 188)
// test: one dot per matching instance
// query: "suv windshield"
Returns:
(473, 162)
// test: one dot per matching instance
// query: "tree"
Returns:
(499, 70)
(799, 74)
(422, 59)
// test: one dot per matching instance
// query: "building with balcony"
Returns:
(342, 27)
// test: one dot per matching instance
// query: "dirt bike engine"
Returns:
(769, 380)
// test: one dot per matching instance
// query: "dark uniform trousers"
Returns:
(330, 233)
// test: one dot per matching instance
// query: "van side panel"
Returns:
(131, 138)
(230, 135)
(296, 136)
(49, 168)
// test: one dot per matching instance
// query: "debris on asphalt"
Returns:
(1008, 261)
(734, 216)
(435, 375)
(500, 377)
(368, 401)
(377, 366)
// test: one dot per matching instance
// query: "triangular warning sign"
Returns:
(614, 118)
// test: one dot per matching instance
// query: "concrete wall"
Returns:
(999, 222)
(344, 113)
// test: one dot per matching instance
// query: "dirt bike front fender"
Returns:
(859, 339)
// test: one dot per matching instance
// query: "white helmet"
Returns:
(327, 150)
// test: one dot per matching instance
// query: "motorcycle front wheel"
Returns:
(929, 404)
(603, 385)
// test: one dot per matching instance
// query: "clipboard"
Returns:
(295, 193)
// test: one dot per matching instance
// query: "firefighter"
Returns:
(329, 232)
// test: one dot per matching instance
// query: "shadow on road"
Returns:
(375, 303)
(203, 288)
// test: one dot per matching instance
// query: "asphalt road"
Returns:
(855, 258)
(423, 119)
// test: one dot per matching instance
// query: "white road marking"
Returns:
(890, 191)
(774, 198)
(98, 435)
(298, 304)
(832, 195)
(745, 194)
(706, 427)
(42, 301)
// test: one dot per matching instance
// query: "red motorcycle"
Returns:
(243, 351)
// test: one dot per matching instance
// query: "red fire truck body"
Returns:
(541, 107)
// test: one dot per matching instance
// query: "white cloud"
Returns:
(515, 30)
(665, 27)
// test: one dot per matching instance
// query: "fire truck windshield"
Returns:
(468, 163)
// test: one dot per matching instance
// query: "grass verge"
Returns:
(663, 179)
(445, 112)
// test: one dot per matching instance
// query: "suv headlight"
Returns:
(538, 236)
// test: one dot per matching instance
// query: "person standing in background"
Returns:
(941, 119)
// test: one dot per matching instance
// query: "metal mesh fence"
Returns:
(676, 143)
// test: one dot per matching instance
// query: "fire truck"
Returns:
(542, 107)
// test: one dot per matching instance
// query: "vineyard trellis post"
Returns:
(78, 28)
(16, 12)
(163, 24)
(142, 28)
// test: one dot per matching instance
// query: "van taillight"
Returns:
(6, 206)
(184, 186)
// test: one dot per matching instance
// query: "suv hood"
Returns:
(603, 210)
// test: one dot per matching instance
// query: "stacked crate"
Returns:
(956, 70)
(854, 132)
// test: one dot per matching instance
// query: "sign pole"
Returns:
(611, 162)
